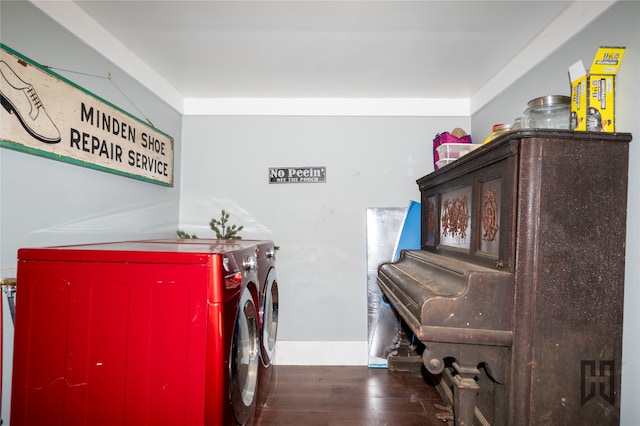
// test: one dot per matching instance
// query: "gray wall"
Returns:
(371, 162)
(320, 227)
(617, 27)
(44, 202)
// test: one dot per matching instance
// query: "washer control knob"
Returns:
(271, 253)
(249, 263)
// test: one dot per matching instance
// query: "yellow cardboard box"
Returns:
(593, 94)
(600, 113)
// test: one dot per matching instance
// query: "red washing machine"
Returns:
(156, 332)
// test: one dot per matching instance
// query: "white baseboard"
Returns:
(290, 352)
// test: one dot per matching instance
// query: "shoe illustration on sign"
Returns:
(20, 98)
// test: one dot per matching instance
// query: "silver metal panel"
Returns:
(383, 229)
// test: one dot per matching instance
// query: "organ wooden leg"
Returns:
(464, 394)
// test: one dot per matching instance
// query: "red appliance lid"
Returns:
(167, 250)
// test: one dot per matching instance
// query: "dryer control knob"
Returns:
(249, 263)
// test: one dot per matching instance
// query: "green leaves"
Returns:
(182, 234)
(220, 227)
(224, 232)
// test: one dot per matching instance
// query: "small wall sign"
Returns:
(44, 114)
(297, 174)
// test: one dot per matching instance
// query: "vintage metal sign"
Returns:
(44, 114)
(297, 174)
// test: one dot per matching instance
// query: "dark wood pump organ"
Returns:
(517, 291)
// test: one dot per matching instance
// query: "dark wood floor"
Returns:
(349, 396)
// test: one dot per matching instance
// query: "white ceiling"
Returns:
(324, 49)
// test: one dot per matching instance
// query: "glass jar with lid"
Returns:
(547, 112)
